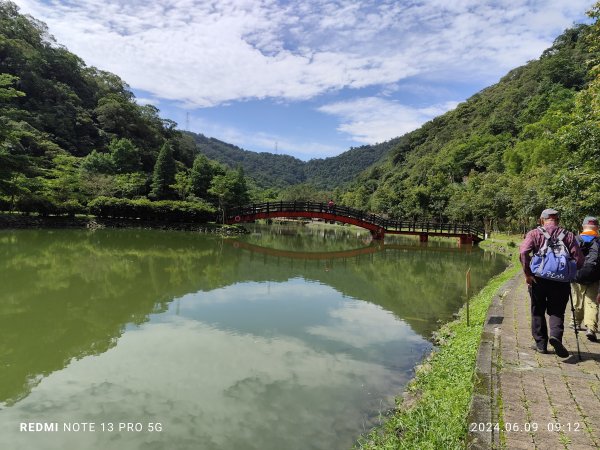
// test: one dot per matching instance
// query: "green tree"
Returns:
(304, 192)
(7, 91)
(125, 156)
(223, 187)
(184, 148)
(183, 185)
(131, 185)
(99, 185)
(240, 194)
(163, 176)
(97, 162)
(63, 181)
(200, 176)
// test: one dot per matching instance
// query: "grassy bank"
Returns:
(434, 414)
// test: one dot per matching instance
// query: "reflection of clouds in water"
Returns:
(360, 324)
(257, 291)
(275, 393)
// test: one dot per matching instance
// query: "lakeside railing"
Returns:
(389, 225)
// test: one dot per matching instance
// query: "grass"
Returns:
(442, 388)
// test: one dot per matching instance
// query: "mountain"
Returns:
(339, 170)
(266, 169)
(280, 171)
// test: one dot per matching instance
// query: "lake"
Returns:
(290, 337)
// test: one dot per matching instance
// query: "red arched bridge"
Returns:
(378, 226)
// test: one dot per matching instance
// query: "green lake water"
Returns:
(286, 338)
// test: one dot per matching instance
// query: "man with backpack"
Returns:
(556, 258)
(587, 283)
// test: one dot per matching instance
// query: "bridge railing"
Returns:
(434, 227)
(425, 226)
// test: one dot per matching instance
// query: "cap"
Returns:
(548, 212)
(590, 220)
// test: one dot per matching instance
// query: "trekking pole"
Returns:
(575, 325)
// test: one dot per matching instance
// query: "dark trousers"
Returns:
(549, 297)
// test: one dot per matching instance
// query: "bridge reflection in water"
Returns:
(375, 247)
(419, 283)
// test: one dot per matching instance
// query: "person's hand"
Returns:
(530, 280)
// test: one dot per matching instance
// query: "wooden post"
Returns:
(468, 289)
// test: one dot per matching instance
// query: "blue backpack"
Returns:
(553, 261)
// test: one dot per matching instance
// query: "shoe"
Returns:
(579, 328)
(540, 347)
(591, 335)
(559, 348)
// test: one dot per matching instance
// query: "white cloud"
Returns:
(147, 101)
(206, 53)
(266, 142)
(361, 325)
(372, 119)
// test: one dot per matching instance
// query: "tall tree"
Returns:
(240, 188)
(223, 187)
(164, 173)
(201, 176)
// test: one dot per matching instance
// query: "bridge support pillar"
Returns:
(378, 235)
(466, 240)
(423, 237)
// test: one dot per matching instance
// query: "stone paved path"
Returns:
(546, 402)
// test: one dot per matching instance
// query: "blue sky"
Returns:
(312, 77)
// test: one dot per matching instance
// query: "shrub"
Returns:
(36, 204)
(167, 210)
(70, 207)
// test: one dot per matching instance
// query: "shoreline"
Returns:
(436, 405)
(22, 222)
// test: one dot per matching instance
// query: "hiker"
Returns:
(330, 205)
(586, 286)
(549, 284)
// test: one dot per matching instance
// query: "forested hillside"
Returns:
(329, 173)
(266, 169)
(529, 142)
(269, 170)
(73, 139)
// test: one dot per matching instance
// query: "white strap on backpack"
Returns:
(544, 249)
